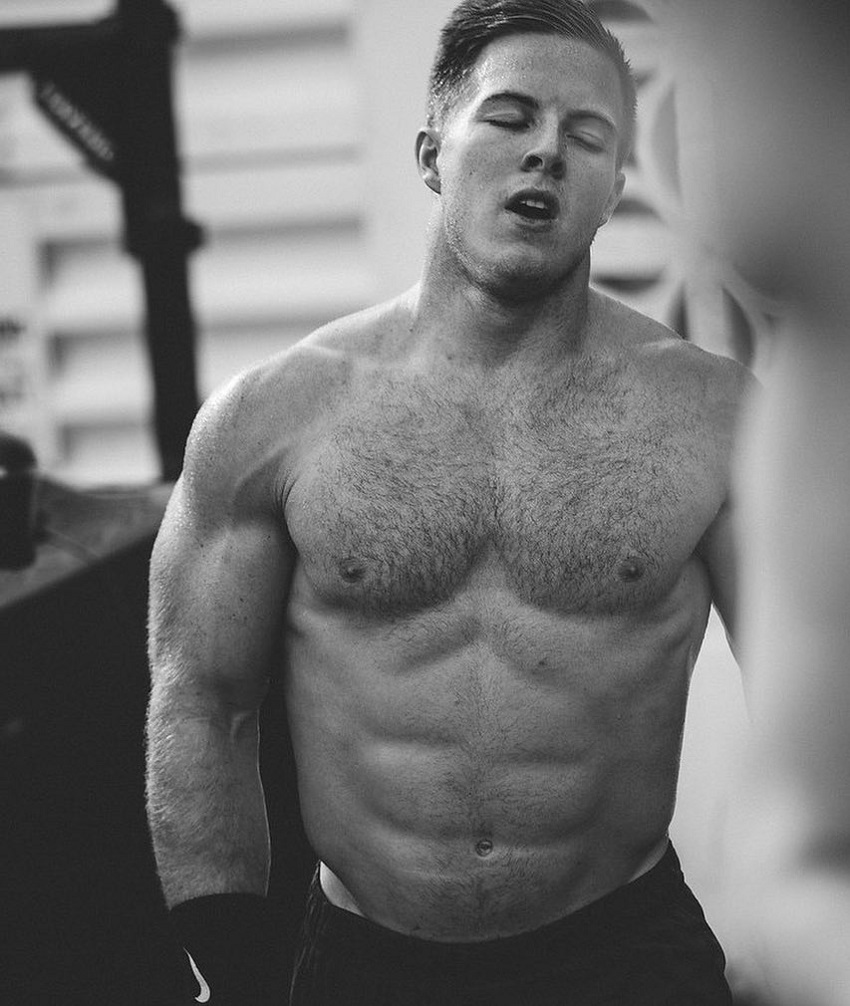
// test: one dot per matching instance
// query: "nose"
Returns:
(545, 155)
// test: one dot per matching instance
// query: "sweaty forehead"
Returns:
(548, 68)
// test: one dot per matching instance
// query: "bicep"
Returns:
(221, 564)
(217, 596)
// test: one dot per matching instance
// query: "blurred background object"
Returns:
(17, 502)
(80, 917)
(781, 70)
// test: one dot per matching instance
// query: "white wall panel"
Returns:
(200, 17)
(252, 280)
(228, 350)
(245, 196)
(225, 18)
(102, 381)
(24, 379)
(109, 454)
(16, 13)
(265, 100)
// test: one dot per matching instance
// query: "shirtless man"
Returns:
(478, 530)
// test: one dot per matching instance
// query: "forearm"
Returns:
(206, 808)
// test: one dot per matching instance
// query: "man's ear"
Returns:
(614, 198)
(427, 153)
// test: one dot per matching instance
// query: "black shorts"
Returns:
(645, 944)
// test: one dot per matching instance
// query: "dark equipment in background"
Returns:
(81, 915)
(82, 920)
(17, 502)
(107, 86)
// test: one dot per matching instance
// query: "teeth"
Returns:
(533, 207)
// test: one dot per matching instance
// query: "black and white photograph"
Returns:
(424, 503)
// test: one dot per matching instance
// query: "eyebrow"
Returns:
(533, 105)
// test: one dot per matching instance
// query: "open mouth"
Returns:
(534, 206)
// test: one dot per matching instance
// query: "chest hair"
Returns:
(581, 492)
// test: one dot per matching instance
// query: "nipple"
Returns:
(483, 848)
(631, 569)
(351, 571)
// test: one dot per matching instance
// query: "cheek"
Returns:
(598, 190)
(467, 188)
(474, 164)
(479, 169)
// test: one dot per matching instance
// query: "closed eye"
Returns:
(589, 142)
(513, 124)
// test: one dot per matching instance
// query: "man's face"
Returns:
(526, 162)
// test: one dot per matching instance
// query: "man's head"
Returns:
(531, 112)
(475, 24)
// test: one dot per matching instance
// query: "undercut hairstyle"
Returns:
(474, 24)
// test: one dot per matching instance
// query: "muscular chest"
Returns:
(579, 505)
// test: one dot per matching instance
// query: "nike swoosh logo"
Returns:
(204, 989)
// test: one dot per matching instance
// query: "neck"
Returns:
(491, 325)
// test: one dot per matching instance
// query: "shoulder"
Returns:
(250, 427)
(684, 374)
(715, 382)
(294, 387)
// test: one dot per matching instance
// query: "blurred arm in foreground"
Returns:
(788, 153)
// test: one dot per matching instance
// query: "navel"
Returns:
(483, 848)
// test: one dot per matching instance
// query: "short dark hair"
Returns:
(474, 24)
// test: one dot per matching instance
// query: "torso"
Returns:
(495, 610)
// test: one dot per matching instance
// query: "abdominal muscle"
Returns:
(461, 782)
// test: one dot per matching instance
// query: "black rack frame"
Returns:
(107, 86)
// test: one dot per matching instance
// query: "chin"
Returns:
(518, 279)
